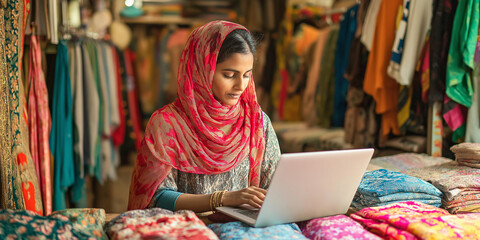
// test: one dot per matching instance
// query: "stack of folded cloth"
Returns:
(382, 187)
(460, 185)
(467, 154)
(414, 220)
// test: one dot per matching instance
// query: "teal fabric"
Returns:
(167, 199)
(240, 231)
(462, 51)
(61, 135)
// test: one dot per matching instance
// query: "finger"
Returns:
(255, 201)
(259, 190)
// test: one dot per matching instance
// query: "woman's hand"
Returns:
(253, 196)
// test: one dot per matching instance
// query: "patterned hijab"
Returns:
(196, 133)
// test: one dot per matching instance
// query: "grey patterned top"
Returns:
(233, 180)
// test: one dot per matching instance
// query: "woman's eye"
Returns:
(228, 76)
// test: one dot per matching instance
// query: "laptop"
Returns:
(307, 185)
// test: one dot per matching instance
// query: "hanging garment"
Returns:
(11, 195)
(309, 113)
(440, 35)
(414, 29)
(345, 37)
(369, 25)
(61, 136)
(377, 83)
(23, 176)
(326, 86)
(133, 105)
(118, 134)
(40, 123)
(462, 51)
(91, 114)
(473, 117)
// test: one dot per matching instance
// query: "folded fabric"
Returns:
(396, 197)
(413, 220)
(87, 220)
(383, 182)
(23, 224)
(404, 161)
(448, 176)
(467, 154)
(359, 204)
(335, 227)
(157, 223)
(240, 231)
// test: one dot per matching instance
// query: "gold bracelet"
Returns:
(222, 193)
(212, 199)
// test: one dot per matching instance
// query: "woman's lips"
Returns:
(231, 95)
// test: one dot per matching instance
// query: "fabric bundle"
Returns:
(239, 230)
(382, 187)
(414, 220)
(404, 161)
(66, 224)
(335, 227)
(157, 223)
(467, 154)
(460, 185)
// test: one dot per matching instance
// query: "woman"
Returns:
(213, 146)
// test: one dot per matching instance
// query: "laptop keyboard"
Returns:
(249, 213)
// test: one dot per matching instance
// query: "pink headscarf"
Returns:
(196, 133)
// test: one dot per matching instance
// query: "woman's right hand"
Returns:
(252, 195)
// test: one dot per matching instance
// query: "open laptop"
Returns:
(307, 185)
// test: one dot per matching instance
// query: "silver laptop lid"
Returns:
(313, 184)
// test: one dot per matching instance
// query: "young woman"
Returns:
(213, 146)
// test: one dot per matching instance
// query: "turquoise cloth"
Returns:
(382, 187)
(167, 199)
(61, 136)
(240, 231)
(462, 51)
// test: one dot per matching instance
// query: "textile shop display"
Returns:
(68, 224)
(240, 230)
(460, 184)
(467, 154)
(413, 220)
(404, 161)
(19, 183)
(158, 223)
(335, 227)
(382, 187)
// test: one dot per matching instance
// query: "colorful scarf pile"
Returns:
(414, 220)
(335, 227)
(239, 230)
(460, 185)
(382, 187)
(467, 154)
(157, 223)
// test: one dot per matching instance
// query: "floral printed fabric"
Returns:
(413, 220)
(24, 224)
(381, 187)
(240, 231)
(404, 161)
(460, 184)
(157, 223)
(89, 221)
(335, 227)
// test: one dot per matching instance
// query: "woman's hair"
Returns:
(238, 41)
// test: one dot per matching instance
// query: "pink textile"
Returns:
(413, 220)
(40, 124)
(335, 227)
(196, 133)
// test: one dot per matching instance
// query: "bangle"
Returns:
(216, 199)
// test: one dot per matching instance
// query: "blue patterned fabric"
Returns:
(239, 230)
(22, 224)
(381, 187)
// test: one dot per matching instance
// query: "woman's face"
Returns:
(232, 77)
